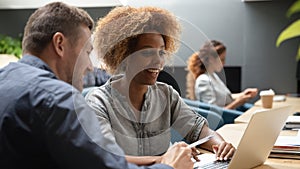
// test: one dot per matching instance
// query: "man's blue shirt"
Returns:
(46, 123)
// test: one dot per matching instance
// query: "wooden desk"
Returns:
(233, 133)
(293, 101)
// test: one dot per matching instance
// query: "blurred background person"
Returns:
(205, 85)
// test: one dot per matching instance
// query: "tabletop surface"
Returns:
(293, 101)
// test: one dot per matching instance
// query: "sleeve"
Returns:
(185, 121)
(204, 91)
(73, 137)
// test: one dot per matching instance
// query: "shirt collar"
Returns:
(36, 62)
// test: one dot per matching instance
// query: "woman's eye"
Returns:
(148, 52)
(162, 53)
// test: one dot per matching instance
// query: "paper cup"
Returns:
(267, 101)
(267, 98)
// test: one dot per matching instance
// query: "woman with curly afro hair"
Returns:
(135, 44)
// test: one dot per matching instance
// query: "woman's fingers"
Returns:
(223, 151)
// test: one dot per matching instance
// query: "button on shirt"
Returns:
(46, 123)
(150, 134)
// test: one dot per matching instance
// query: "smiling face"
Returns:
(148, 59)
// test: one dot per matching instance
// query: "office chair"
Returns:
(228, 115)
(214, 119)
(165, 77)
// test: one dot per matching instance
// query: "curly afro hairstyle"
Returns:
(116, 34)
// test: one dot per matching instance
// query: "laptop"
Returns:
(256, 143)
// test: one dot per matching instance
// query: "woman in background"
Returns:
(204, 84)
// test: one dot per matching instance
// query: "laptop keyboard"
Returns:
(214, 165)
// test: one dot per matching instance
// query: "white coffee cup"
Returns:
(267, 98)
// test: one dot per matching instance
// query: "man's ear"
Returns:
(59, 41)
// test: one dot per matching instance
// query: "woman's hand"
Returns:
(252, 92)
(223, 151)
(217, 144)
(178, 156)
(195, 153)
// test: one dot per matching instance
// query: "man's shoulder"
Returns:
(19, 71)
(28, 77)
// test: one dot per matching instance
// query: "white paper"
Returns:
(293, 119)
(288, 140)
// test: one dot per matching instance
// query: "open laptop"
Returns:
(256, 143)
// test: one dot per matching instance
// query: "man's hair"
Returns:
(50, 19)
(116, 34)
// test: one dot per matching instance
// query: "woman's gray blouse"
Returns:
(150, 135)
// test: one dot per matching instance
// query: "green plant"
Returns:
(10, 45)
(293, 30)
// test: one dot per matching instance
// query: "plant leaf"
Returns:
(9, 45)
(293, 9)
(290, 32)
